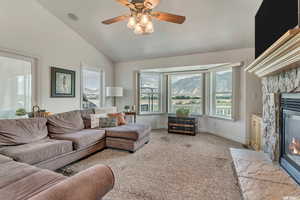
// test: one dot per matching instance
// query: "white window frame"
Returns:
(210, 93)
(34, 72)
(168, 86)
(161, 96)
(101, 84)
(206, 95)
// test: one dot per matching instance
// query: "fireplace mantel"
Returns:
(283, 55)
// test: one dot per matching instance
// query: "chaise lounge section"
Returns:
(129, 137)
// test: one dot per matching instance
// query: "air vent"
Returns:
(73, 17)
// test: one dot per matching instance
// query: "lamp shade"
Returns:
(114, 91)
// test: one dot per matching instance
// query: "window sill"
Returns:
(221, 118)
(150, 114)
(200, 115)
(191, 115)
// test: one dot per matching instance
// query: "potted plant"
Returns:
(127, 108)
(21, 112)
(182, 112)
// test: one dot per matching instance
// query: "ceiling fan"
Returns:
(141, 15)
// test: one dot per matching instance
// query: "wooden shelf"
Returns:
(180, 131)
(181, 125)
(284, 54)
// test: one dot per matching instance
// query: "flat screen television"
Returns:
(273, 19)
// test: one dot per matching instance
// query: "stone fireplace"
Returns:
(273, 87)
(279, 69)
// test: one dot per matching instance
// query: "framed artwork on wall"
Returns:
(62, 83)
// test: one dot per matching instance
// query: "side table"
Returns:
(132, 114)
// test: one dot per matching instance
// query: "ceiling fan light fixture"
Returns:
(139, 29)
(132, 22)
(142, 14)
(145, 19)
(149, 27)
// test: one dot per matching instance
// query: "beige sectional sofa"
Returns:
(29, 148)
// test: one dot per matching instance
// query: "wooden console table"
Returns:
(133, 114)
(183, 125)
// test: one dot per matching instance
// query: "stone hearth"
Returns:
(273, 86)
(261, 179)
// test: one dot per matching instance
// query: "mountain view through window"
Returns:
(186, 92)
(91, 82)
(223, 93)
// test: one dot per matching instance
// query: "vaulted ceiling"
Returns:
(211, 25)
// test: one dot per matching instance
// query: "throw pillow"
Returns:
(94, 121)
(120, 118)
(108, 122)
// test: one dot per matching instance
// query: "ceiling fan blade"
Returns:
(127, 3)
(116, 19)
(150, 4)
(169, 17)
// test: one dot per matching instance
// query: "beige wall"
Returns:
(235, 130)
(28, 28)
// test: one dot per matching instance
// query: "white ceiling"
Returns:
(211, 25)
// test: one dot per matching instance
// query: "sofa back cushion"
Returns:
(22, 131)
(68, 122)
(87, 113)
(86, 117)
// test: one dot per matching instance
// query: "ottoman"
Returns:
(129, 137)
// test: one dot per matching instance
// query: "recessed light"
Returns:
(73, 17)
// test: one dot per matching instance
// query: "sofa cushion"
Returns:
(38, 151)
(86, 117)
(63, 123)
(82, 139)
(87, 113)
(4, 159)
(31, 185)
(131, 131)
(22, 131)
(13, 171)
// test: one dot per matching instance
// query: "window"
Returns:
(92, 88)
(221, 94)
(211, 91)
(15, 85)
(150, 93)
(186, 91)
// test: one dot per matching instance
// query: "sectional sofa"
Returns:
(30, 148)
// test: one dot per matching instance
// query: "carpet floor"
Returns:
(170, 167)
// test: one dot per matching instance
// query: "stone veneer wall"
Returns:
(284, 82)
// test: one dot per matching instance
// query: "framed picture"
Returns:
(62, 83)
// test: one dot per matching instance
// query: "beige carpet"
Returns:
(170, 167)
